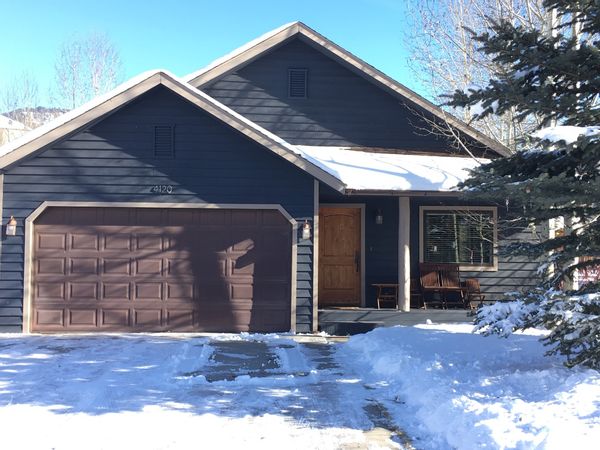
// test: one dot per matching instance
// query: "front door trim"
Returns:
(362, 208)
(29, 244)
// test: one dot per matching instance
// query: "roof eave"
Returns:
(401, 193)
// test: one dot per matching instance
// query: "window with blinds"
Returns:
(465, 237)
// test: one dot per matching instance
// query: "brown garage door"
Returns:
(142, 269)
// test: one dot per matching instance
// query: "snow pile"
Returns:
(454, 389)
(566, 133)
(387, 171)
(574, 322)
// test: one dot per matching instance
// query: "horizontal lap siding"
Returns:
(113, 161)
(513, 274)
(341, 109)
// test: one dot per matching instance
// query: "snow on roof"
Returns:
(236, 52)
(362, 170)
(10, 124)
(567, 133)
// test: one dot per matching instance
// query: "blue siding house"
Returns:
(286, 177)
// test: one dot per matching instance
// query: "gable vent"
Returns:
(163, 142)
(297, 83)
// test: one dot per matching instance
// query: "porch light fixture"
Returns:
(306, 230)
(379, 217)
(11, 227)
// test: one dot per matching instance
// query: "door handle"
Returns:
(357, 261)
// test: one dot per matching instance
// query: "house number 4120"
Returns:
(162, 189)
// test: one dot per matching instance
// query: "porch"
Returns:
(345, 321)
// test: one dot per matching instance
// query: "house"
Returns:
(10, 129)
(287, 176)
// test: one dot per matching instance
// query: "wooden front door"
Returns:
(339, 256)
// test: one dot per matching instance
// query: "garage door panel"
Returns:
(124, 269)
(50, 291)
(83, 241)
(179, 267)
(114, 291)
(148, 291)
(79, 291)
(118, 317)
(147, 318)
(180, 291)
(241, 266)
(271, 291)
(82, 318)
(49, 317)
(52, 241)
(46, 266)
(149, 266)
(181, 319)
(116, 266)
(117, 242)
(82, 266)
(148, 242)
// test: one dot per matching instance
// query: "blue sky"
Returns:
(182, 36)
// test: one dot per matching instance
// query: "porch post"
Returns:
(404, 253)
(315, 273)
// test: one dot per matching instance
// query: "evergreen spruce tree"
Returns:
(555, 174)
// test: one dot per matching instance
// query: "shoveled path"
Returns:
(182, 391)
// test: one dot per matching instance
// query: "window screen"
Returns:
(297, 83)
(463, 237)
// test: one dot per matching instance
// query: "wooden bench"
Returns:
(441, 285)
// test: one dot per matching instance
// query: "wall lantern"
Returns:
(306, 230)
(11, 227)
(379, 217)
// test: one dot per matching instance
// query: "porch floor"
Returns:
(344, 321)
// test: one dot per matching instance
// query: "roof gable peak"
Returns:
(258, 47)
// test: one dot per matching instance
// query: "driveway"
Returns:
(181, 391)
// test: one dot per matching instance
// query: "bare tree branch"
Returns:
(444, 56)
(85, 68)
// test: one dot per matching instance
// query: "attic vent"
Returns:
(163, 142)
(297, 85)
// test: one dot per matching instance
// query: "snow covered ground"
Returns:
(450, 388)
(444, 387)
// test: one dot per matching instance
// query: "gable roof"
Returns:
(256, 48)
(93, 111)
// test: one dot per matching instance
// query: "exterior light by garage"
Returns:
(11, 227)
(306, 230)
(379, 217)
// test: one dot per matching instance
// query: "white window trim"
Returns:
(465, 267)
